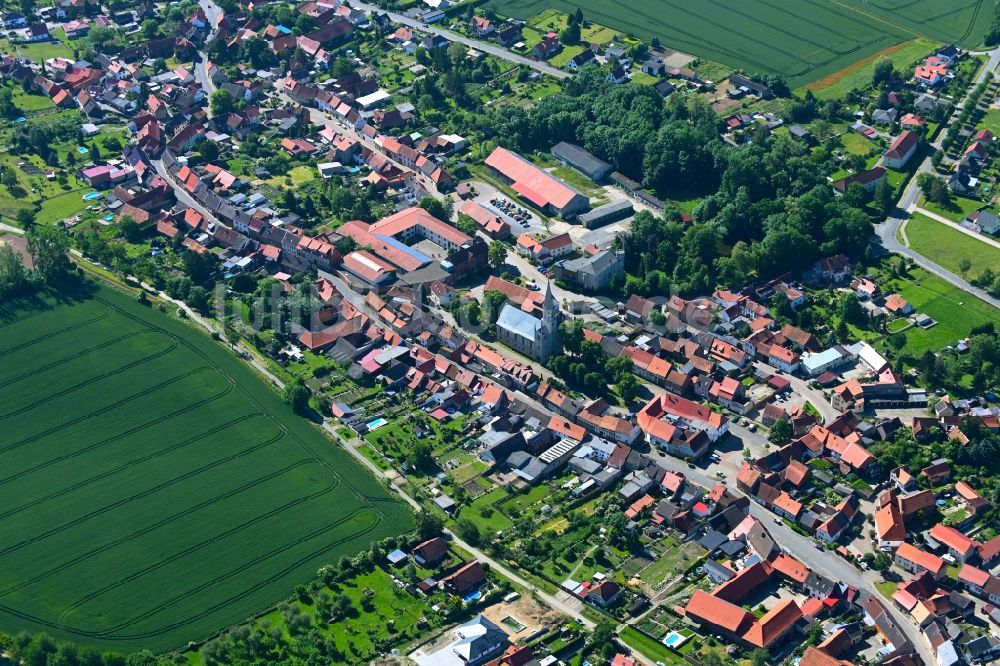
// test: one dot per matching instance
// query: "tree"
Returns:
(884, 196)
(570, 34)
(602, 640)
(882, 71)
(429, 525)
(469, 532)
(497, 254)
(934, 188)
(222, 102)
(297, 396)
(964, 265)
(629, 388)
(232, 335)
(572, 336)
(48, 246)
(25, 217)
(130, 229)
(14, 277)
(198, 298)
(781, 432)
(760, 657)
(436, 207)
(420, 457)
(465, 224)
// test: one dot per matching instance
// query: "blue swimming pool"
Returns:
(377, 423)
(82, 150)
(90, 196)
(674, 639)
(472, 596)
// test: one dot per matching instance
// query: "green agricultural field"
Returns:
(803, 41)
(152, 489)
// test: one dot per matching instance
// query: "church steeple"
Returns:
(550, 309)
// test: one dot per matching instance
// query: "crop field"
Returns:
(803, 40)
(152, 489)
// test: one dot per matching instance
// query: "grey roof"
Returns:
(594, 265)
(947, 654)
(712, 540)
(606, 209)
(476, 636)
(520, 322)
(717, 571)
(444, 502)
(579, 157)
(731, 548)
(526, 466)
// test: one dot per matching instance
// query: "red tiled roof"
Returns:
(774, 624)
(903, 144)
(366, 265)
(973, 575)
(405, 220)
(707, 608)
(533, 182)
(921, 558)
(952, 538)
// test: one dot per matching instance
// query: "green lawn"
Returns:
(955, 311)
(30, 103)
(991, 121)
(299, 175)
(957, 210)
(39, 52)
(154, 490)
(485, 514)
(856, 144)
(672, 563)
(887, 588)
(54, 200)
(649, 647)
(947, 246)
(565, 55)
(394, 615)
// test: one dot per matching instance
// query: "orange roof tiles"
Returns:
(774, 624)
(707, 608)
(921, 558)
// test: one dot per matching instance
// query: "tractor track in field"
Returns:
(112, 406)
(111, 472)
(187, 551)
(216, 549)
(140, 495)
(73, 357)
(90, 380)
(197, 590)
(47, 338)
(256, 403)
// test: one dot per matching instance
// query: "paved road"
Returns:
(485, 47)
(886, 231)
(561, 602)
(803, 549)
(13, 230)
(317, 117)
(800, 386)
(182, 195)
(212, 11)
